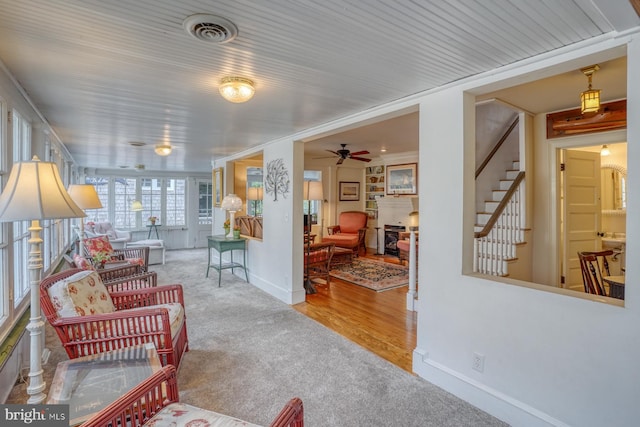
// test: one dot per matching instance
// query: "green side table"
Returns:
(223, 244)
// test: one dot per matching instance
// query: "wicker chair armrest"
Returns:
(109, 275)
(140, 403)
(148, 296)
(140, 280)
(141, 252)
(333, 229)
(292, 415)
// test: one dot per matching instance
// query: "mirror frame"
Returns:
(623, 171)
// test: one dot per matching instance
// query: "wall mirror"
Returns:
(613, 189)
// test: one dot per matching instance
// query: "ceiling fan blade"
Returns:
(358, 153)
(333, 152)
(325, 157)
(362, 159)
(340, 160)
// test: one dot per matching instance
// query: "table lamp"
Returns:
(254, 194)
(232, 204)
(86, 197)
(312, 190)
(35, 192)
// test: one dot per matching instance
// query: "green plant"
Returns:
(227, 224)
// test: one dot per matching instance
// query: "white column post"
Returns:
(412, 294)
(36, 386)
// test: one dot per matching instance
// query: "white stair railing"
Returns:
(495, 245)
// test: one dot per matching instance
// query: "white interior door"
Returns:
(581, 212)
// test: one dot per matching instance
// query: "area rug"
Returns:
(375, 275)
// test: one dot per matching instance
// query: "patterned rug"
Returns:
(376, 275)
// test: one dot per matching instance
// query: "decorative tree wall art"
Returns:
(277, 179)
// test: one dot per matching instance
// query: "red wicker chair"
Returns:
(157, 395)
(149, 322)
(101, 244)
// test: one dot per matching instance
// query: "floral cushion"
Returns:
(98, 244)
(82, 262)
(181, 414)
(135, 261)
(81, 294)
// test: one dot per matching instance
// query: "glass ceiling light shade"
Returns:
(136, 206)
(590, 98)
(236, 89)
(605, 151)
(34, 191)
(163, 149)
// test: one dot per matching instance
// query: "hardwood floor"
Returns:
(377, 321)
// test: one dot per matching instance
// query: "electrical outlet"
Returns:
(477, 362)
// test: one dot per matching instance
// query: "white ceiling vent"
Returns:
(210, 28)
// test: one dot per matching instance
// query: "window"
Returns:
(124, 192)
(151, 198)
(205, 194)
(312, 207)
(176, 202)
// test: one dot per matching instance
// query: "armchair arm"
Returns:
(333, 229)
(140, 403)
(118, 281)
(148, 296)
(84, 335)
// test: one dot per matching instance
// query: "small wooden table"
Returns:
(616, 286)
(90, 383)
(223, 244)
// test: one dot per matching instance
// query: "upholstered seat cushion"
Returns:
(343, 240)
(181, 414)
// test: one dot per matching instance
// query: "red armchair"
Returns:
(90, 319)
(155, 401)
(350, 232)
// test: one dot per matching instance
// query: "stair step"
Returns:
(512, 174)
(490, 206)
(505, 184)
(497, 195)
(515, 165)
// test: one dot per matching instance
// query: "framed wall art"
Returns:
(402, 179)
(349, 191)
(217, 187)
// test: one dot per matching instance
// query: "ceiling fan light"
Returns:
(236, 89)
(163, 149)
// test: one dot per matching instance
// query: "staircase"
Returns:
(499, 233)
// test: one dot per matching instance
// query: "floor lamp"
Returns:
(35, 192)
(312, 190)
(254, 194)
(86, 197)
(233, 204)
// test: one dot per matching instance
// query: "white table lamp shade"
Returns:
(85, 196)
(34, 190)
(254, 193)
(231, 203)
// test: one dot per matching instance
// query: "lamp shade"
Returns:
(85, 196)
(34, 191)
(254, 193)
(136, 206)
(231, 202)
(312, 190)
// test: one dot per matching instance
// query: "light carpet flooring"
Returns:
(250, 353)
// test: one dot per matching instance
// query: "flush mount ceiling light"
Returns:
(605, 151)
(163, 149)
(590, 98)
(236, 89)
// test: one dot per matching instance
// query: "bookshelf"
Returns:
(374, 189)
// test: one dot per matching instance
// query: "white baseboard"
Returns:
(494, 402)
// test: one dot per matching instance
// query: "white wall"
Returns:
(551, 358)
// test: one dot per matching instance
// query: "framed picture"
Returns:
(217, 187)
(402, 179)
(349, 191)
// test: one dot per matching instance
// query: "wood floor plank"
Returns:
(377, 321)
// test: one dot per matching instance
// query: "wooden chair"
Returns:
(139, 254)
(594, 266)
(350, 232)
(157, 398)
(317, 261)
(90, 319)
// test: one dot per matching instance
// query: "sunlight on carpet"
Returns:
(375, 275)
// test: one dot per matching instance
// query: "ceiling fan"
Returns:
(343, 154)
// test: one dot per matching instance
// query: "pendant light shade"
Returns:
(590, 98)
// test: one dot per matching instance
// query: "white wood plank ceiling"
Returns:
(107, 72)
